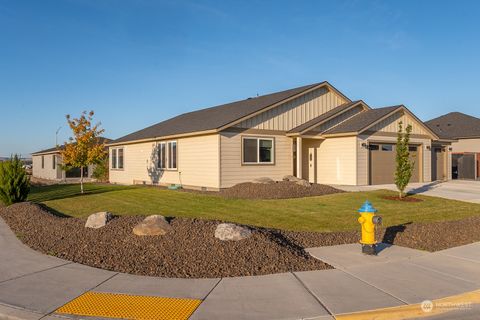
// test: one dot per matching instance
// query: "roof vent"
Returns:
(449, 124)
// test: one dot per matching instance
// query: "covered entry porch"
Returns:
(326, 161)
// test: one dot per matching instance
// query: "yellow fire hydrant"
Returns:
(368, 220)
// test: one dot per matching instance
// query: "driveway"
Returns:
(462, 190)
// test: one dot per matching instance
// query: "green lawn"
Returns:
(325, 213)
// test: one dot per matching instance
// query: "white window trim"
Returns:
(168, 146)
(258, 150)
(117, 159)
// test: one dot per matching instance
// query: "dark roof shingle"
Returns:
(361, 120)
(61, 147)
(214, 117)
(455, 125)
(323, 117)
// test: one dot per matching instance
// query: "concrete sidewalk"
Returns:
(462, 190)
(35, 286)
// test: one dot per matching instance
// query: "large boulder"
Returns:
(264, 180)
(230, 231)
(154, 225)
(291, 178)
(303, 183)
(98, 220)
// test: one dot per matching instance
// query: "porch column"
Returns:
(299, 157)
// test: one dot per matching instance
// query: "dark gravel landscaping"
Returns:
(433, 236)
(190, 250)
(277, 190)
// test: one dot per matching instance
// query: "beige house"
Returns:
(313, 132)
(46, 164)
(464, 130)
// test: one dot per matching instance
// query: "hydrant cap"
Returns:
(367, 207)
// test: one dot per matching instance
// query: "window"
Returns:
(162, 156)
(258, 150)
(117, 158)
(172, 155)
(167, 155)
(43, 162)
(374, 147)
(120, 158)
(412, 149)
(387, 147)
(54, 162)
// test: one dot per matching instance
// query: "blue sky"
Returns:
(139, 62)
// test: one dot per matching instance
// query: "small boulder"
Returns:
(98, 220)
(230, 231)
(303, 183)
(154, 225)
(264, 180)
(291, 178)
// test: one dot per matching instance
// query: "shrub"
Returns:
(101, 170)
(14, 181)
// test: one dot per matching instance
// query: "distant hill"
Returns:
(26, 160)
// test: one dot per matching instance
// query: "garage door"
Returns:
(382, 163)
(463, 166)
(438, 164)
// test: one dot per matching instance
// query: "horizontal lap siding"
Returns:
(336, 161)
(232, 170)
(296, 112)
(197, 162)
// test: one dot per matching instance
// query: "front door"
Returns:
(312, 174)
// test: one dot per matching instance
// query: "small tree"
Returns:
(404, 168)
(14, 181)
(86, 146)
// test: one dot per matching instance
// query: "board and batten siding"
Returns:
(295, 112)
(390, 124)
(47, 172)
(232, 171)
(363, 156)
(197, 163)
(336, 161)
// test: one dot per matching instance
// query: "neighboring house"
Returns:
(47, 165)
(314, 132)
(465, 130)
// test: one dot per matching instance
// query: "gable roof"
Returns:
(366, 119)
(362, 120)
(214, 118)
(326, 116)
(455, 125)
(61, 147)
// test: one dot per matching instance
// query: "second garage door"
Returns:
(382, 163)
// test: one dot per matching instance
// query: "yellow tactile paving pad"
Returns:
(420, 310)
(124, 306)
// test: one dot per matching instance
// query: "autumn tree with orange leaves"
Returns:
(86, 147)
